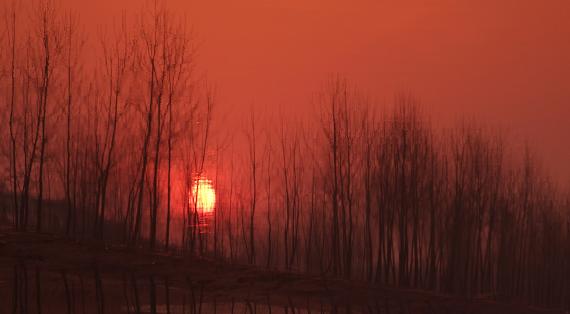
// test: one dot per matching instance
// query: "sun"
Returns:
(203, 196)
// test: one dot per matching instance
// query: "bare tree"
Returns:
(50, 35)
(117, 57)
(11, 26)
(251, 135)
(73, 45)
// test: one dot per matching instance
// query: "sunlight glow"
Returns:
(203, 196)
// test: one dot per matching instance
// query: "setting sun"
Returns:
(203, 196)
(290, 156)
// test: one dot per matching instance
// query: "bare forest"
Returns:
(107, 139)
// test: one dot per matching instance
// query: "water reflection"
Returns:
(29, 287)
(26, 287)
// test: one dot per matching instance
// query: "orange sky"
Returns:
(505, 62)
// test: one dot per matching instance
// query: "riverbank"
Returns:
(214, 280)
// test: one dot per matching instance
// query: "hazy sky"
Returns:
(504, 62)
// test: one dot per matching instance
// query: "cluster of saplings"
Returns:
(106, 136)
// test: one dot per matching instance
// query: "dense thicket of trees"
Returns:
(106, 144)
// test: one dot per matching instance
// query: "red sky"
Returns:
(504, 62)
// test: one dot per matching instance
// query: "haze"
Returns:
(347, 156)
(506, 63)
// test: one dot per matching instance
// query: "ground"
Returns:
(219, 281)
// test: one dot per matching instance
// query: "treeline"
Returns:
(118, 129)
(95, 123)
(390, 199)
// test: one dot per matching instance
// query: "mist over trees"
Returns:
(107, 144)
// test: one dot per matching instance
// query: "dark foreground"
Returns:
(48, 274)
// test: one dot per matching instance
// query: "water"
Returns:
(49, 277)
(29, 287)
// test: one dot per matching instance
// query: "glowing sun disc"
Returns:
(203, 196)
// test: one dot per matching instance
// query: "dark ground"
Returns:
(214, 280)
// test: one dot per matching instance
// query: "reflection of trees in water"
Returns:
(37, 290)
